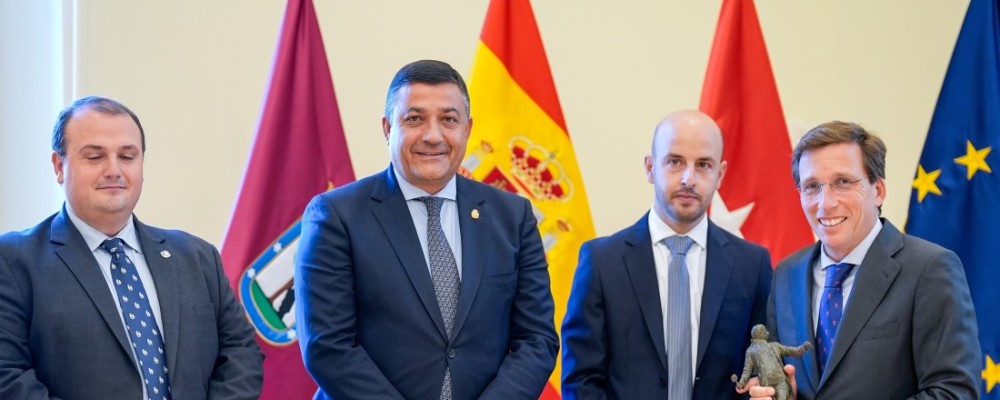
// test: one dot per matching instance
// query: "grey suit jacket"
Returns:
(61, 335)
(908, 332)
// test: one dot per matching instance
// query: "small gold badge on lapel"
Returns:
(475, 213)
(165, 254)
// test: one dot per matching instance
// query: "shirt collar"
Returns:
(857, 255)
(94, 237)
(411, 192)
(659, 230)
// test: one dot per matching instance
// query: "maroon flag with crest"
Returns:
(299, 151)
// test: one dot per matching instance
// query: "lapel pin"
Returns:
(475, 213)
(165, 254)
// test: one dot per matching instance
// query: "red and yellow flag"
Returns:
(299, 151)
(520, 142)
(757, 200)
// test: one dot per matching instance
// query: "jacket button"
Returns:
(663, 383)
(451, 353)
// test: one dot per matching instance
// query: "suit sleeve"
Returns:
(239, 370)
(326, 310)
(946, 348)
(771, 319)
(585, 341)
(533, 340)
(760, 303)
(17, 377)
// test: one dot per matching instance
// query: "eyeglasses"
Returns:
(838, 186)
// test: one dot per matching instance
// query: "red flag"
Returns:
(299, 151)
(740, 94)
(520, 142)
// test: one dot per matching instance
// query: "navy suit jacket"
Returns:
(613, 340)
(908, 331)
(61, 335)
(367, 318)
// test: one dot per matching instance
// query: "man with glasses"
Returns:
(890, 314)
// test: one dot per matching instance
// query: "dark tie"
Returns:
(831, 309)
(140, 324)
(444, 273)
(679, 320)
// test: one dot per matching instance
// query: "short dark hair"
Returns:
(431, 72)
(100, 104)
(834, 132)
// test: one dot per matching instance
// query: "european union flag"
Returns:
(956, 199)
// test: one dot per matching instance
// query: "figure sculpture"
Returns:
(765, 360)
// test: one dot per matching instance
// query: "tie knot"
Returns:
(113, 245)
(836, 273)
(433, 205)
(679, 245)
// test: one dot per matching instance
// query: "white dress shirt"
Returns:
(695, 261)
(855, 257)
(449, 217)
(133, 250)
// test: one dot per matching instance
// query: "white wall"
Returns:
(195, 72)
(32, 90)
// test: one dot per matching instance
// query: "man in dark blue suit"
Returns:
(417, 283)
(618, 329)
(97, 305)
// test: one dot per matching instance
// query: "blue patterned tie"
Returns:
(444, 273)
(140, 325)
(831, 309)
(679, 320)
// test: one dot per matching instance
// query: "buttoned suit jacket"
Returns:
(61, 336)
(368, 321)
(613, 339)
(908, 330)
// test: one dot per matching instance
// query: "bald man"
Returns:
(663, 308)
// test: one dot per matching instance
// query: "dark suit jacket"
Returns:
(61, 335)
(613, 340)
(909, 329)
(369, 324)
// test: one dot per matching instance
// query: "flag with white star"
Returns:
(955, 191)
(757, 201)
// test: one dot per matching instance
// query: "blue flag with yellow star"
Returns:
(956, 197)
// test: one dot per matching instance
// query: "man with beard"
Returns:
(664, 308)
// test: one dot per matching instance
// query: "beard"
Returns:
(687, 214)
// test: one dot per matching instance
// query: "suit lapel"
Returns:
(394, 217)
(475, 247)
(871, 283)
(797, 311)
(718, 270)
(73, 250)
(641, 269)
(166, 277)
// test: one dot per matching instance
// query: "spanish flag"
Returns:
(520, 142)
